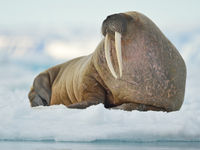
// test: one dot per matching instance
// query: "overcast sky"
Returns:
(60, 13)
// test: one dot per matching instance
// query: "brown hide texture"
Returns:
(154, 73)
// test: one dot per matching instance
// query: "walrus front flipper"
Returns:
(37, 101)
(41, 91)
(84, 104)
(137, 106)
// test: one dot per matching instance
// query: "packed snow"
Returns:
(22, 57)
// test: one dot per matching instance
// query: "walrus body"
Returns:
(151, 72)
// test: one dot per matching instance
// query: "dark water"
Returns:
(99, 145)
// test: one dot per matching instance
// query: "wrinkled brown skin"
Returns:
(154, 74)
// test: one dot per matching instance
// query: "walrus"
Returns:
(134, 67)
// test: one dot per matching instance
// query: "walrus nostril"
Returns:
(114, 23)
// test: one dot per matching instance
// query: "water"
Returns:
(98, 145)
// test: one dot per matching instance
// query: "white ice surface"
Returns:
(18, 121)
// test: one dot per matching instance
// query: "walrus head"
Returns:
(115, 25)
(140, 65)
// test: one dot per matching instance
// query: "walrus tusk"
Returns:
(107, 55)
(118, 51)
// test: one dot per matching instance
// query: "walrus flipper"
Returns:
(84, 104)
(41, 91)
(137, 106)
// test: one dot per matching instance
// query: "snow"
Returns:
(18, 121)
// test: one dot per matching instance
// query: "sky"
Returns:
(48, 14)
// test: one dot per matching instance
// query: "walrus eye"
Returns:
(118, 52)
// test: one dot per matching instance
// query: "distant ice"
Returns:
(18, 121)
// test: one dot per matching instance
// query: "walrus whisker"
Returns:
(118, 51)
(107, 55)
